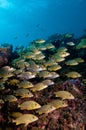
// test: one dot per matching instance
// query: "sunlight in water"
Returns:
(5, 4)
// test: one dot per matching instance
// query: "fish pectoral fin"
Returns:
(26, 124)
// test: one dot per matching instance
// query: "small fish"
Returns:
(62, 49)
(10, 98)
(29, 105)
(54, 75)
(68, 35)
(49, 46)
(54, 67)
(39, 56)
(48, 82)
(50, 62)
(58, 103)
(45, 74)
(71, 62)
(39, 87)
(79, 60)
(23, 93)
(70, 43)
(26, 75)
(64, 95)
(25, 119)
(45, 109)
(15, 37)
(63, 54)
(73, 74)
(57, 58)
(27, 35)
(40, 41)
(37, 25)
(25, 84)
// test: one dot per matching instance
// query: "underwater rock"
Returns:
(5, 53)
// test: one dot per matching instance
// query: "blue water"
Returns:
(22, 21)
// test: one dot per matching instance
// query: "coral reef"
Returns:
(43, 86)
